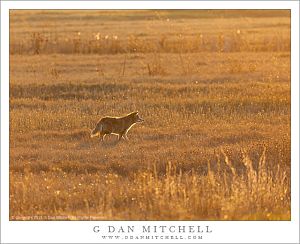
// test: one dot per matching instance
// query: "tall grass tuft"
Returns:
(169, 194)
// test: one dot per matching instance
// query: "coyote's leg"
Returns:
(125, 137)
(120, 137)
(102, 136)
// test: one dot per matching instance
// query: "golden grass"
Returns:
(215, 144)
(153, 32)
(153, 194)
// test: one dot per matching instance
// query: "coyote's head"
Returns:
(136, 117)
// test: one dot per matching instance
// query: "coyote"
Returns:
(116, 125)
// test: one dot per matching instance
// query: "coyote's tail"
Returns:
(97, 130)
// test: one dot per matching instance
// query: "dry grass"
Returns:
(215, 144)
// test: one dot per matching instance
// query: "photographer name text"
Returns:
(152, 229)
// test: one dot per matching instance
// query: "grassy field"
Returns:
(212, 86)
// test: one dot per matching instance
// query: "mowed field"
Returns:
(212, 86)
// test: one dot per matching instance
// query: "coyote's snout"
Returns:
(116, 125)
